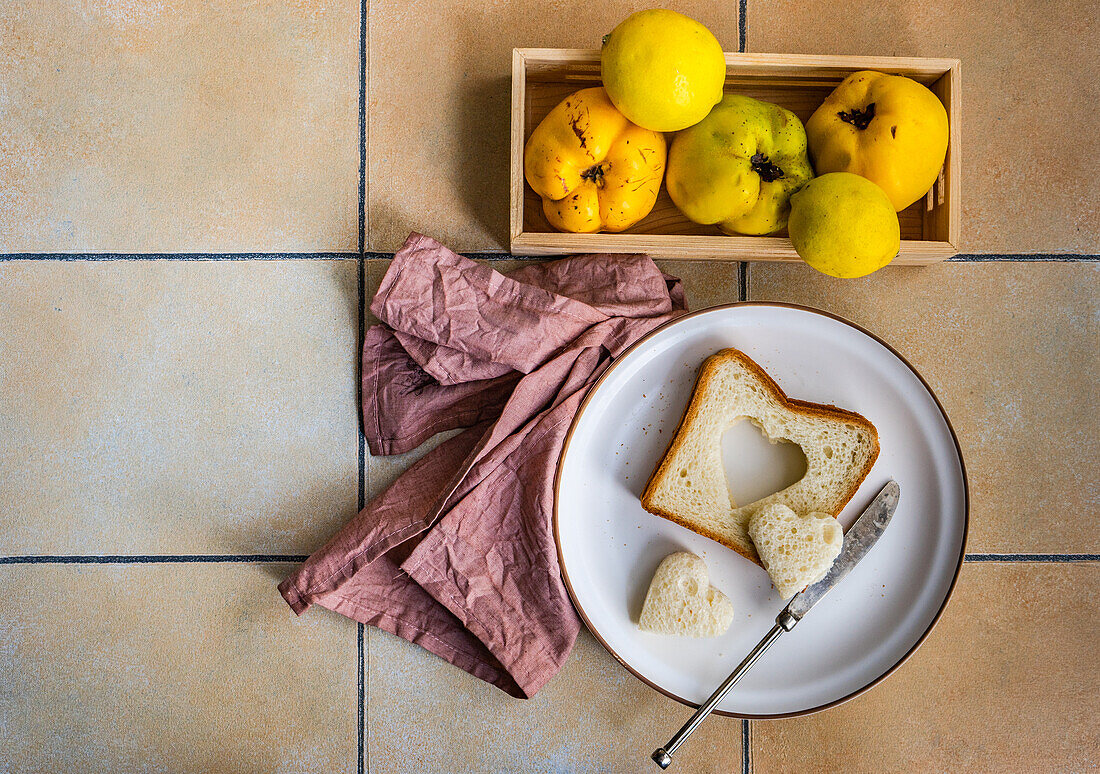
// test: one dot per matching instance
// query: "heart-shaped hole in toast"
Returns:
(681, 600)
(756, 465)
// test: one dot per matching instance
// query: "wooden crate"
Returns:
(542, 77)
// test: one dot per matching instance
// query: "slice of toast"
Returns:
(689, 485)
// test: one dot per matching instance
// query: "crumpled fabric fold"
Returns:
(458, 554)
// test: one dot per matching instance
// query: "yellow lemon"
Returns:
(844, 225)
(663, 70)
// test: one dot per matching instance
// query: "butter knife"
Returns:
(857, 542)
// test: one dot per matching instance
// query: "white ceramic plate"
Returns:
(609, 546)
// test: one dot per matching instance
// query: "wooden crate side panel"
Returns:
(913, 253)
(942, 222)
(517, 141)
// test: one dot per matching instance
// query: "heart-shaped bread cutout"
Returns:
(796, 550)
(682, 601)
(690, 486)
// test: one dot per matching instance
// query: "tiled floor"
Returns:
(175, 429)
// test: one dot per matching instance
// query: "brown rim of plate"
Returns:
(966, 509)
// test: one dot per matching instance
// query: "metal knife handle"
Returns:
(663, 755)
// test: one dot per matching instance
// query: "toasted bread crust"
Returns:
(821, 410)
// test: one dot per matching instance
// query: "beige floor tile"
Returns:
(173, 668)
(439, 104)
(176, 406)
(1028, 152)
(374, 270)
(383, 471)
(1010, 350)
(1003, 684)
(179, 126)
(706, 283)
(427, 716)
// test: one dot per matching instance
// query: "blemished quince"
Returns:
(844, 225)
(739, 166)
(593, 168)
(663, 70)
(887, 128)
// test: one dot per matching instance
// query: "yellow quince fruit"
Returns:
(887, 128)
(594, 169)
(739, 166)
(663, 70)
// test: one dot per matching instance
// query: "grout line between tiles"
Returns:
(364, 31)
(152, 558)
(361, 763)
(362, 126)
(477, 256)
(1036, 558)
(742, 25)
(364, 60)
(746, 747)
(1025, 257)
(319, 256)
(743, 281)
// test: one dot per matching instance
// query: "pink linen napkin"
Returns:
(458, 554)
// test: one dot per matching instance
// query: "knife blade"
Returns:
(857, 542)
